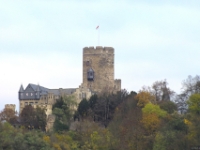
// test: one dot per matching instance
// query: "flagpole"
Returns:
(98, 38)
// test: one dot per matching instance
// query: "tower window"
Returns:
(90, 75)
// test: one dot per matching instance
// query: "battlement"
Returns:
(10, 106)
(98, 50)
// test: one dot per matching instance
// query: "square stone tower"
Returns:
(98, 69)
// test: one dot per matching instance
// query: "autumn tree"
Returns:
(151, 115)
(126, 126)
(144, 97)
(9, 115)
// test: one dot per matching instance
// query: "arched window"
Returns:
(90, 74)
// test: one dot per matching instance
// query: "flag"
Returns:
(97, 27)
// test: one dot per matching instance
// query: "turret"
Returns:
(21, 92)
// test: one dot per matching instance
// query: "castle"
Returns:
(98, 76)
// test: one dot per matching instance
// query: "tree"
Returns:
(168, 106)
(144, 97)
(191, 85)
(33, 118)
(150, 122)
(63, 109)
(154, 109)
(83, 107)
(17, 139)
(9, 115)
(105, 105)
(27, 116)
(161, 91)
(40, 118)
(92, 101)
(181, 101)
(194, 104)
(151, 115)
(126, 126)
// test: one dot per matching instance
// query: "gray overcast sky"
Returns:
(41, 41)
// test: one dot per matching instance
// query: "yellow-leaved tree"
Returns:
(151, 115)
(144, 97)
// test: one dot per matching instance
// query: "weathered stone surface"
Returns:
(101, 60)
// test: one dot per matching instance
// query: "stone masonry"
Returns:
(99, 62)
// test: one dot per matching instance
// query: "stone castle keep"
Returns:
(98, 76)
(98, 69)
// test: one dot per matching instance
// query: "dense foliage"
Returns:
(147, 120)
(33, 118)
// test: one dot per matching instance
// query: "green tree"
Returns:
(63, 109)
(27, 117)
(40, 118)
(168, 106)
(17, 139)
(154, 109)
(33, 118)
(92, 101)
(83, 107)
(194, 104)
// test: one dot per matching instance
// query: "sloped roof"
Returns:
(35, 87)
(45, 91)
(21, 88)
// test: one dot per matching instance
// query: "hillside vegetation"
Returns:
(154, 118)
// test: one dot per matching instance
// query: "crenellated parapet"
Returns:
(98, 50)
(10, 106)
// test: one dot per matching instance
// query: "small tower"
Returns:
(10, 106)
(21, 92)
